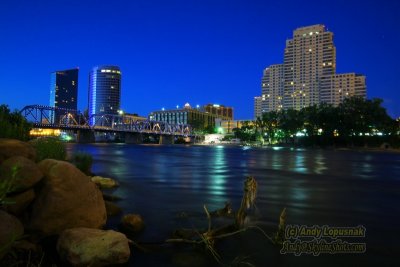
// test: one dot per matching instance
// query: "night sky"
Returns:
(177, 51)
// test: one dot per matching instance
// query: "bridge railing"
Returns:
(52, 117)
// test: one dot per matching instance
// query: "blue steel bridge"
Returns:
(47, 117)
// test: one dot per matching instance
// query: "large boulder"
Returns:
(67, 199)
(93, 247)
(12, 147)
(23, 172)
(20, 202)
(10, 230)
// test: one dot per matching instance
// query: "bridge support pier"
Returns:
(166, 140)
(85, 136)
(133, 138)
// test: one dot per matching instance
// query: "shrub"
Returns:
(49, 148)
(83, 161)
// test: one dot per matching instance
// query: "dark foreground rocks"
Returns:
(93, 247)
(67, 199)
(11, 229)
(23, 172)
(51, 202)
(12, 147)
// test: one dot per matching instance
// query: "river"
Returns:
(168, 186)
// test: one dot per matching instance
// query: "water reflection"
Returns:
(319, 161)
(218, 171)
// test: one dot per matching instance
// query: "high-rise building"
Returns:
(335, 88)
(308, 56)
(308, 74)
(104, 91)
(272, 88)
(63, 91)
(257, 107)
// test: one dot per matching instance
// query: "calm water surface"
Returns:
(317, 187)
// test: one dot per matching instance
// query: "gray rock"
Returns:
(104, 182)
(93, 247)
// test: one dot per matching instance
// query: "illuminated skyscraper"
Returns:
(63, 91)
(104, 91)
(308, 56)
(272, 88)
(308, 75)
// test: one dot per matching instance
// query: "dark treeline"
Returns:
(13, 124)
(355, 122)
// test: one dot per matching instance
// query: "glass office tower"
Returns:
(63, 92)
(104, 91)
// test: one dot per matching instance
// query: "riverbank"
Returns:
(359, 149)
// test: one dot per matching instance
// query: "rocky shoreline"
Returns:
(54, 200)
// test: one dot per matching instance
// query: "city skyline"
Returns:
(177, 52)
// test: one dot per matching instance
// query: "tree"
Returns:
(290, 122)
(270, 120)
(13, 124)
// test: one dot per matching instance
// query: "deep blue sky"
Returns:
(176, 51)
